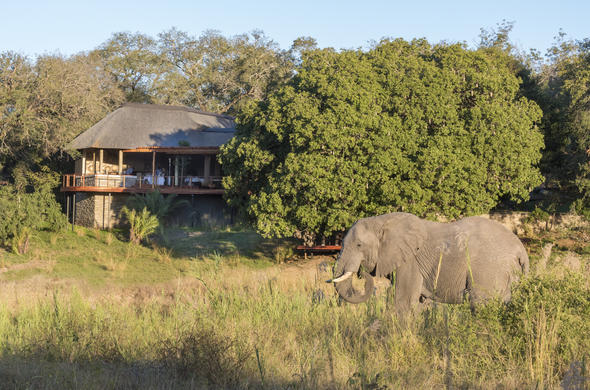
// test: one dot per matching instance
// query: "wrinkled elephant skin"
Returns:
(442, 262)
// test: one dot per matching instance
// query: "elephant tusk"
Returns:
(341, 278)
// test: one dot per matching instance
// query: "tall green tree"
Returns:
(219, 74)
(405, 126)
(45, 104)
(135, 64)
(561, 88)
(569, 111)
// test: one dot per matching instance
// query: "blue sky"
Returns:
(67, 27)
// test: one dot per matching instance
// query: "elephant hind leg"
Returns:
(484, 290)
(408, 288)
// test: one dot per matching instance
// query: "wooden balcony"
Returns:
(142, 184)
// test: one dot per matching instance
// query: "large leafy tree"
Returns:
(44, 105)
(220, 74)
(562, 89)
(134, 63)
(569, 112)
(406, 126)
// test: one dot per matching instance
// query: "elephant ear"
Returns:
(401, 238)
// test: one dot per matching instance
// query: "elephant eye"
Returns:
(359, 245)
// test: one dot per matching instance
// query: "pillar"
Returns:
(176, 171)
(207, 167)
(154, 169)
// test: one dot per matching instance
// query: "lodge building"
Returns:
(140, 148)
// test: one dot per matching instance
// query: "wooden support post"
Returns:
(68, 207)
(73, 210)
(101, 157)
(169, 178)
(120, 162)
(109, 213)
(103, 210)
(176, 171)
(94, 162)
(153, 169)
(207, 169)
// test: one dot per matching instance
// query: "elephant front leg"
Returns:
(408, 288)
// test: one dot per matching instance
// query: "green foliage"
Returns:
(406, 126)
(564, 94)
(545, 301)
(45, 104)
(157, 204)
(580, 207)
(539, 215)
(219, 74)
(282, 253)
(133, 61)
(24, 212)
(141, 224)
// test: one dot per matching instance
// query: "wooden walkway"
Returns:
(324, 249)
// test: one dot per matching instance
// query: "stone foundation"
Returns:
(100, 211)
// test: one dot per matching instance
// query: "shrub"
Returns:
(204, 353)
(539, 215)
(141, 224)
(23, 213)
(547, 318)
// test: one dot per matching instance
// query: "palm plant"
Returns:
(141, 223)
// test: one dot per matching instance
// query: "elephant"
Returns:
(433, 262)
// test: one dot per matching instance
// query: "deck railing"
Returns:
(140, 181)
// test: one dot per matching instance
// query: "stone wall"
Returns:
(516, 221)
(107, 210)
(85, 207)
(99, 210)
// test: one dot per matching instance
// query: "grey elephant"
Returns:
(432, 261)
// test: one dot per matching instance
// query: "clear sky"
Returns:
(36, 27)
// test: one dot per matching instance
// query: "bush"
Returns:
(23, 213)
(204, 353)
(538, 215)
(141, 224)
(548, 319)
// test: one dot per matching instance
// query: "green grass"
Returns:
(99, 259)
(225, 323)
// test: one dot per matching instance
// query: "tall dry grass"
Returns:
(263, 333)
(225, 325)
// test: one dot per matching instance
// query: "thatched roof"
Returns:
(145, 125)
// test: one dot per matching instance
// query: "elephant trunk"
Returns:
(349, 294)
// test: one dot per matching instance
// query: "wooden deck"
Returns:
(133, 185)
(324, 249)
